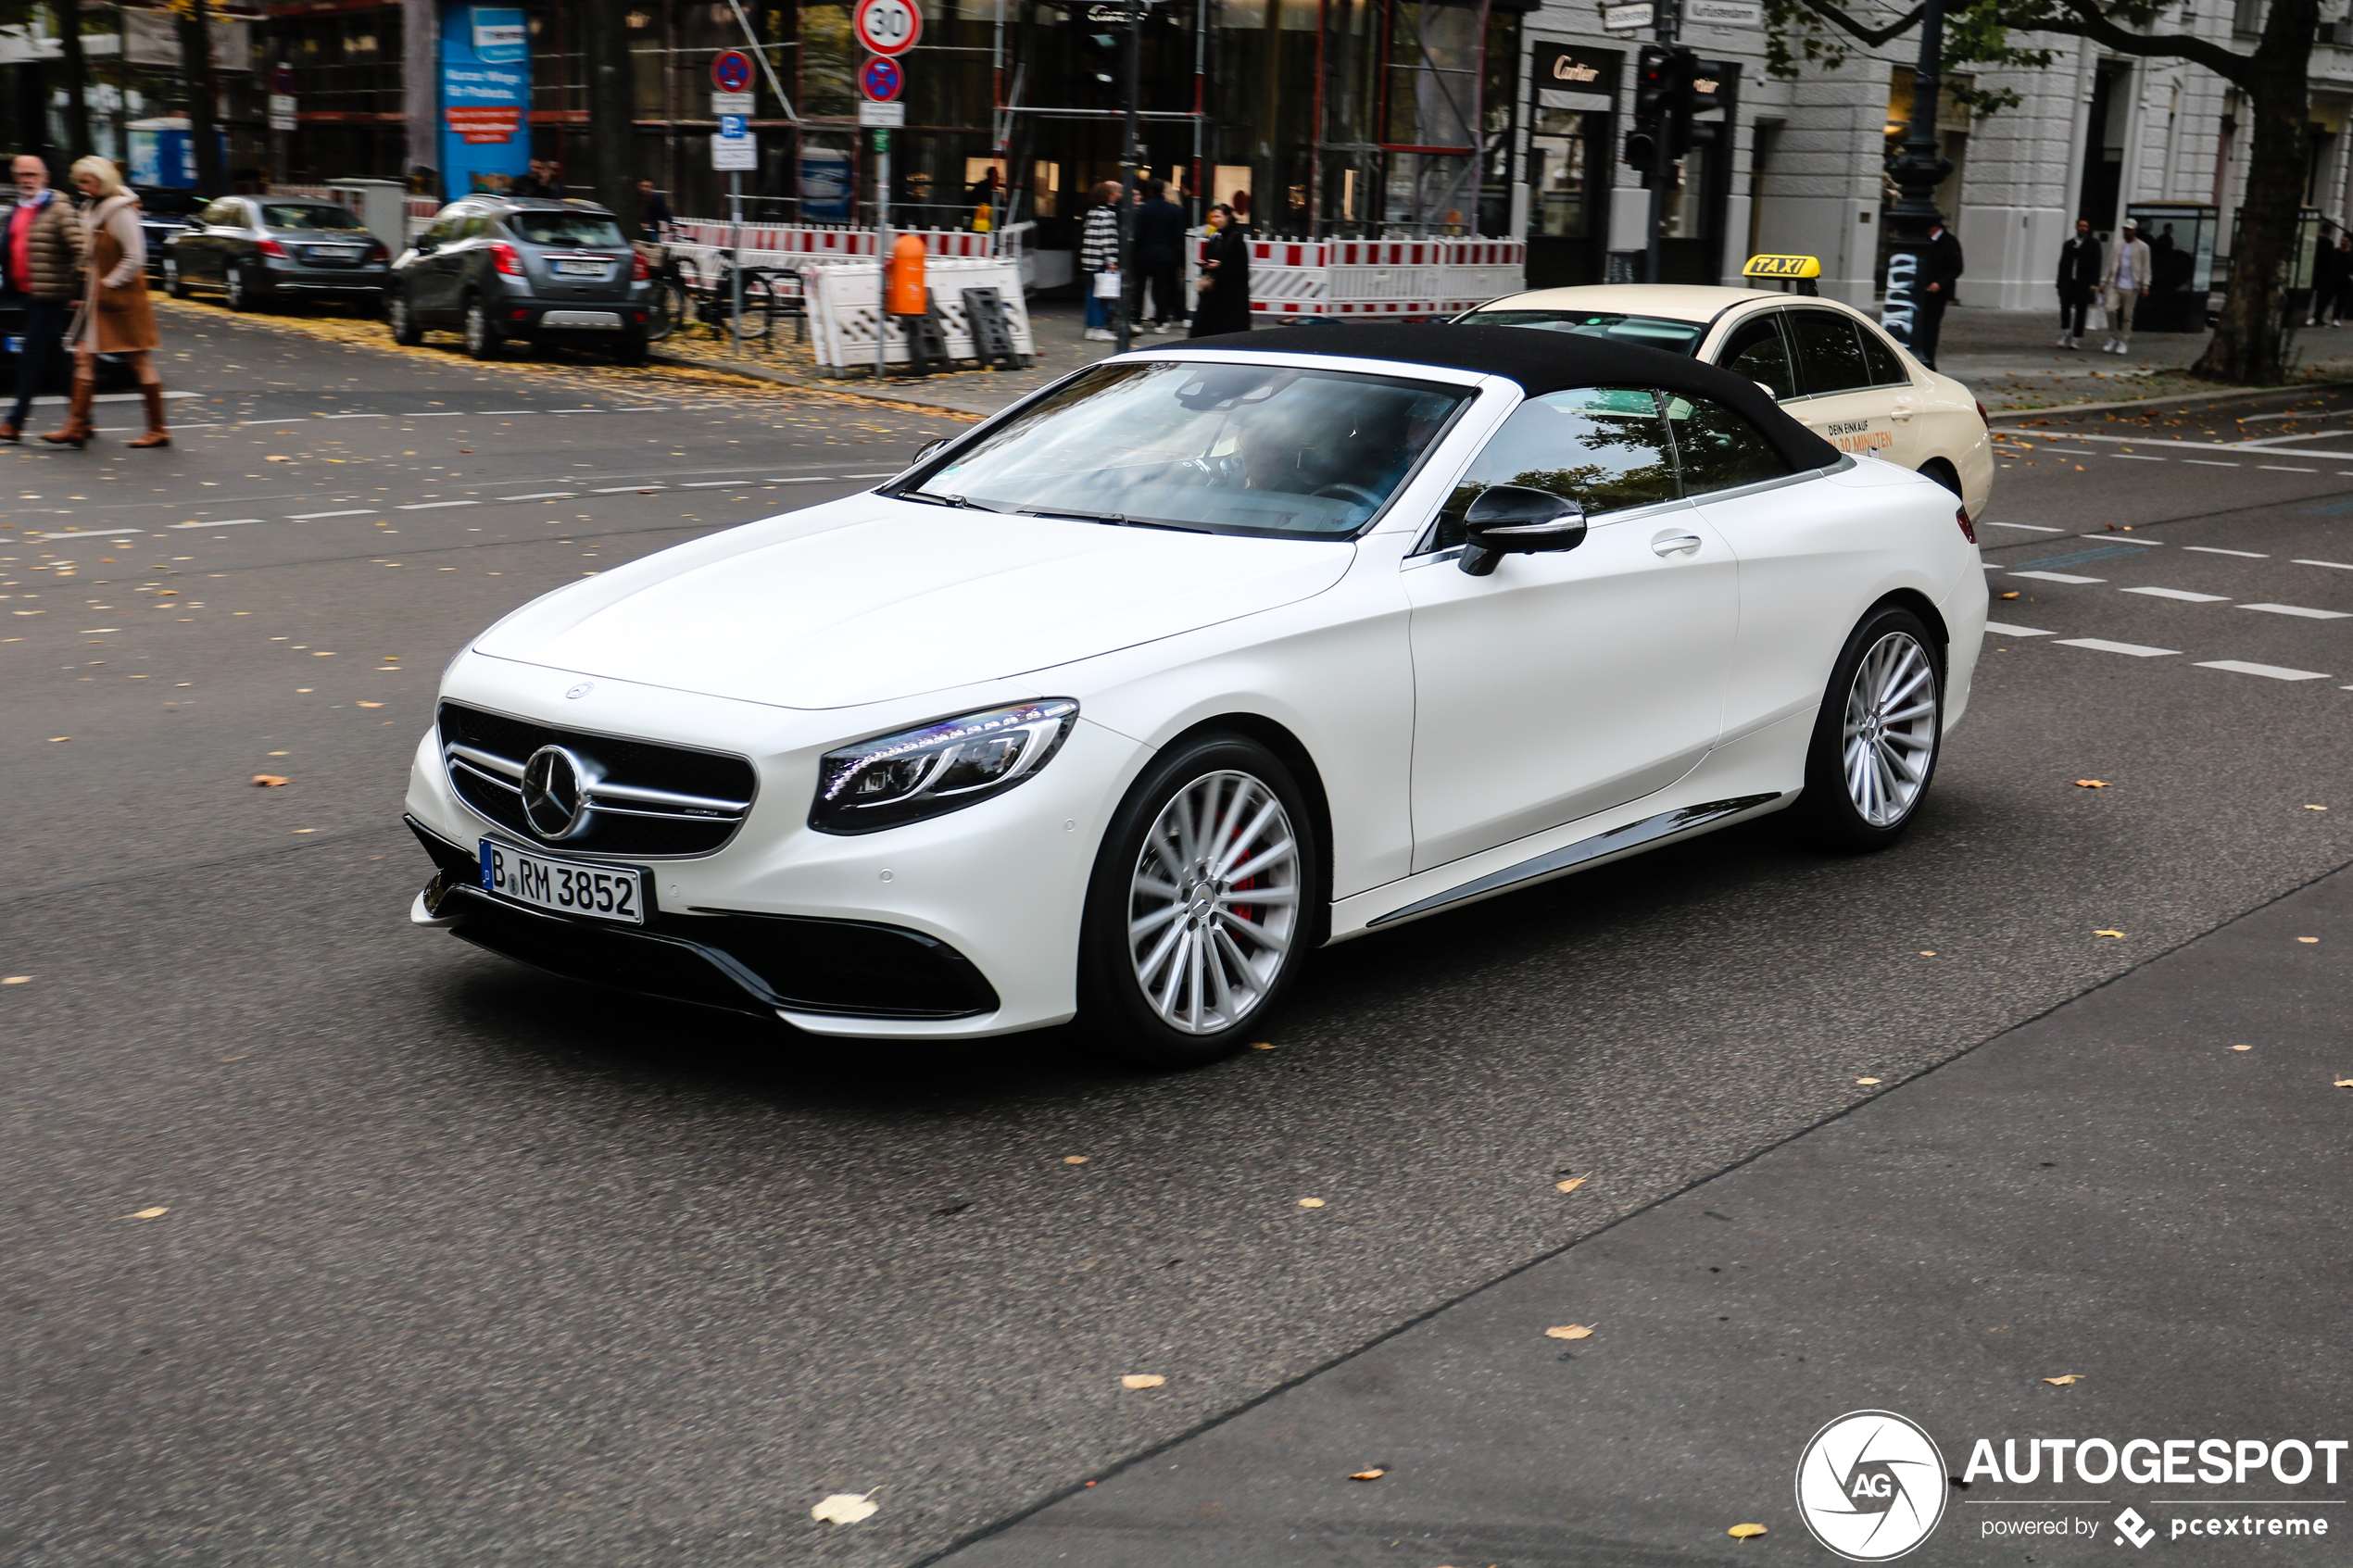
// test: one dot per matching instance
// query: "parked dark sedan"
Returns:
(254, 249)
(535, 268)
(164, 211)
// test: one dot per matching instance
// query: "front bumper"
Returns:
(957, 927)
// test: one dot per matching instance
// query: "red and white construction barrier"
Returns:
(1380, 280)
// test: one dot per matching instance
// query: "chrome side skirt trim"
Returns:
(1634, 835)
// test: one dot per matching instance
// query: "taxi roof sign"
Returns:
(1782, 267)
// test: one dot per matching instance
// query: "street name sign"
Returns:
(1629, 18)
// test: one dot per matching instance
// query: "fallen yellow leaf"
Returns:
(1074, 1160)
(277, 460)
(298, 832)
(1372, 1474)
(2091, 783)
(2308, 940)
(1263, 1045)
(1928, 952)
(2341, 1083)
(271, 781)
(2011, 595)
(2107, 933)
(2063, 1382)
(56, 738)
(1867, 1080)
(842, 1508)
(1311, 1203)
(1570, 1185)
(1569, 1331)
(1742, 1532)
(371, 705)
(2242, 1048)
(151, 1214)
(2316, 807)
(16, 979)
(1142, 1380)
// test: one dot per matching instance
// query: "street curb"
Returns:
(841, 389)
(2233, 396)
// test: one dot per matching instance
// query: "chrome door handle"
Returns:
(1901, 412)
(1676, 545)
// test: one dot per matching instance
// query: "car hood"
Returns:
(870, 599)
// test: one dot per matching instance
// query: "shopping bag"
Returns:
(2095, 320)
(1106, 286)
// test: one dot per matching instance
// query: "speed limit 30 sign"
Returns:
(887, 26)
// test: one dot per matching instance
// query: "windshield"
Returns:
(1648, 331)
(1216, 448)
(565, 228)
(285, 215)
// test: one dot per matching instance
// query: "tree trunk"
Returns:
(613, 101)
(2249, 343)
(69, 14)
(195, 68)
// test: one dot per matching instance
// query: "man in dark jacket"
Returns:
(1160, 257)
(2079, 282)
(1940, 272)
(40, 274)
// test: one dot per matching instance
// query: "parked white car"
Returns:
(1125, 701)
(1829, 364)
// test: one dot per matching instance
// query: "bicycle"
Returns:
(678, 296)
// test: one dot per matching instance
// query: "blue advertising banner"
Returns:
(486, 98)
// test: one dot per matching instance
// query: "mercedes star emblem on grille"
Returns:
(555, 793)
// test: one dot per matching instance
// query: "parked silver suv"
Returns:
(534, 267)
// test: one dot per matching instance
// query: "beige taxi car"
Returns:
(1829, 364)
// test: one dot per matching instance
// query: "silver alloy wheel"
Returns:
(396, 308)
(1214, 904)
(235, 289)
(477, 330)
(1890, 729)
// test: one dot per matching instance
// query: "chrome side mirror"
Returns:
(1513, 520)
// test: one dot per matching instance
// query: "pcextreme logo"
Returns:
(1871, 1485)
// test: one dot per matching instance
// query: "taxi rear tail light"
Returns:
(1969, 529)
(1983, 417)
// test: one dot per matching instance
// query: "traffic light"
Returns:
(1671, 86)
(1652, 88)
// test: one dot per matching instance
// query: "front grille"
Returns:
(646, 799)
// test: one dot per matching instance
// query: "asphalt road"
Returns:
(463, 1263)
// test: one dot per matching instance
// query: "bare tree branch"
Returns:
(1871, 36)
(2091, 24)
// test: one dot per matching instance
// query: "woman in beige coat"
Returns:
(115, 315)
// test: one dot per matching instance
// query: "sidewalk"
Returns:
(2110, 1191)
(2009, 358)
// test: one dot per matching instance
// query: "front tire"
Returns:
(402, 317)
(1199, 906)
(174, 284)
(483, 341)
(234, 291)
(1878, 736)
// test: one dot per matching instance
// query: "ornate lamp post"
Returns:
(1917, 173)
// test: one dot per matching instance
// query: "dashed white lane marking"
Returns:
(2241, 667)
(2000, 628)
(2057, 577)
(2181, 594)
(2337, 564)
(224, 522)
(434, 506)
(2101, 645)
(628, 489)
(716, 483)
(354, 416)
(2215, 550)
(2276, 467)
(545, 495)
(2112, 539)
(894, 472)
(2210, 463)
(2137, 457)
(306, 516)
(2030, 527)
(2299, 610)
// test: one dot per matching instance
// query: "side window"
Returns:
(473, 228)
(1881, 360)
(1604, 449)
(224, 215)
(444, 229)
(1720, 449)
(1758, 350)
(1829, 354)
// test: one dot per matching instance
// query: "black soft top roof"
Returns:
(1543, 362)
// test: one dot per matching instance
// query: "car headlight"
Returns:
(937, 767)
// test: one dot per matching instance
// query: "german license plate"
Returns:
(329, 253)
(581, 268)
(569, 887)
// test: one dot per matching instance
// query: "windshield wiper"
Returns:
(930, 499)
(1117, 520)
